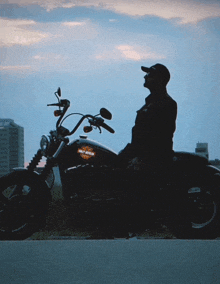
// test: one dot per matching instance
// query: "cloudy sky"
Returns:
(94, 49)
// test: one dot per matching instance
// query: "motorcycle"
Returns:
(88, 172)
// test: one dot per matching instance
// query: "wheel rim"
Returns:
(203, 208)
(15, 210)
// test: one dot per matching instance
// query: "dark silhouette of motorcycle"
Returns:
(187, 193)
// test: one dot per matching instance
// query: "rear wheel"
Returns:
(198, 215)
(23, 206)
(203, 208)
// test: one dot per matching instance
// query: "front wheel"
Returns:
(23, 205)
(198, 214)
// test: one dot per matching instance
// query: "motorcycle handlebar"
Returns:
(61, 103)
(96, 122)
(108, 128)
(100, 123)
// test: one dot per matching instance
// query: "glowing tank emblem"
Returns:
(86, 152)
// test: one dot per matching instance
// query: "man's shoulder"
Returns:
(165, 101)
(170, 100)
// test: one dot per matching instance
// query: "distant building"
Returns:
(11, 146)
(202, 149)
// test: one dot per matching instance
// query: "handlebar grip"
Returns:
(53, 104)
(107, 127)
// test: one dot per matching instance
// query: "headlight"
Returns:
(44, 144)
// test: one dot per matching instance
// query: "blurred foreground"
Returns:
(84, 222)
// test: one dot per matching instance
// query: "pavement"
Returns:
(110, 261)
(72, 250)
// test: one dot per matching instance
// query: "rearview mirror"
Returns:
(59, 92)
(105, 113)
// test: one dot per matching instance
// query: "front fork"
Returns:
(50, 164)
(35, 161)
(51, 161)
(33, 164)
(57, 192)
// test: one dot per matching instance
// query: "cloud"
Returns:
(48, 56)
(36, 62)
(60, 46)
(73, 24)
(187, 11)
(68, 5)
(15, 68)
(48, 61)
(184, 11)
(28, 32)
(18, 70)
(19, 32)
(128, 52)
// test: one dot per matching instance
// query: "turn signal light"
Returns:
(87, 129)
(57, 112)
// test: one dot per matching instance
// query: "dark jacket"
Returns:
(155, 124)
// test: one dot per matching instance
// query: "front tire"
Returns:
(23, 205)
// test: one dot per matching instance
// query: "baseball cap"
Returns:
(159, 69)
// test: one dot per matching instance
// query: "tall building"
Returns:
(11, 146)
(202, 149)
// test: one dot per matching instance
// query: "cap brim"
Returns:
(145, 69)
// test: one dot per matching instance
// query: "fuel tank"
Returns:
(86, 151)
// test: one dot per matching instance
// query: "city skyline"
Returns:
(12, 146)
(94, 50)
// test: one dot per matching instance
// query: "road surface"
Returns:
(110, 261)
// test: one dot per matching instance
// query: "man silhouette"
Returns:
(155, 124)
